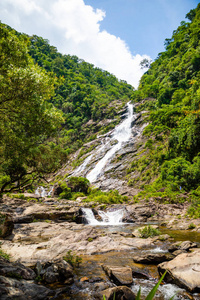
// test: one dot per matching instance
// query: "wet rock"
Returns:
(100, 286)
(153, 258)
(15, 270)
(137, 273)
(183, 270)
(22, 290)
(6, 224)
(119, 275)
(120, 292)
(186, 245)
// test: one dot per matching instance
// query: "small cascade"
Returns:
(44, 192)
(122, 134)
(108, 218)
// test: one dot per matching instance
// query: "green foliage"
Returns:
(191, 226)
(26, 118)
(74, 187)
(66, 193)
(78, 184)
(73, 259)
(111, 197)
(173, 79)
(148, 231)
(85, 92)
(3, 254)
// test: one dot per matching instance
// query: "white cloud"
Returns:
(74, 28)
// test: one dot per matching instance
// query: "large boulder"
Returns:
(119, 275)
(118, 293)
(6, 224)
(183, 270)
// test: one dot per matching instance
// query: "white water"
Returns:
(43, 192)
(122, 133)
(108, 218)
(165, 291)
(82, 167)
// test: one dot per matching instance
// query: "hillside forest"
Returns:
(51, 104)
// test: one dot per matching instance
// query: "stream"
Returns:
(91, 267)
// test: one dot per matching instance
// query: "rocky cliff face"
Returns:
(114, 174)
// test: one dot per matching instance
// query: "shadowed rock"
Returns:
(153, 258)
(120, 292)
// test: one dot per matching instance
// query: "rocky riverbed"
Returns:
(38, 233)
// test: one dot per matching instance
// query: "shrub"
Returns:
(66, 191)
(3, 254)
(148, 231)
(78, 184)
(73, 259)
(191, 226)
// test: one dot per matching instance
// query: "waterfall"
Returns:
(108, 218)
(43, 192)
(122, 133)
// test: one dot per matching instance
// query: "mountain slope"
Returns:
(171, 88)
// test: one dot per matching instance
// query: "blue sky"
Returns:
(143, 24)
(114, 35)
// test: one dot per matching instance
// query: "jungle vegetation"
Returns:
(170, 89)
(50, 104)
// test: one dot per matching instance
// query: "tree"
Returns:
(26, 118)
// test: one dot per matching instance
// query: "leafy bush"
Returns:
(3, 254)
(73, 259)
(78, 184)
(148, 231)
(66, 193)
(111, 197)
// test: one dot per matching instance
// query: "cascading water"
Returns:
(122, 134)
(108, 218)
(43, 192)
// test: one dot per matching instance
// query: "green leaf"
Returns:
(138, 294)
(153, 291)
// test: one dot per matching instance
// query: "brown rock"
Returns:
(6, 224)
(119, 275)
